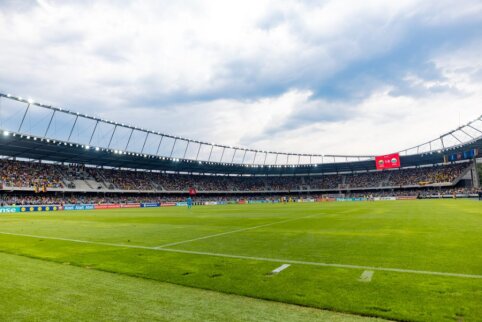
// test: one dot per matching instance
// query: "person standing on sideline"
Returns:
(189, 202)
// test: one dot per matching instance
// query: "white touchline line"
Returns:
(366, 276)
(263, 259)
(279, 269)
(231, 232)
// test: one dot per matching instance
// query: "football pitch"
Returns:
(415, 260)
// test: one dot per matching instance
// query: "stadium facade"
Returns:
(63, 140)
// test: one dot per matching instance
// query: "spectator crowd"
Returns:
(9, 199)
(19, 174)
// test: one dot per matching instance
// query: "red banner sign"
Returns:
(107, 206)
(192, 191)
(130, 205)
(388, 161)
(168, 204)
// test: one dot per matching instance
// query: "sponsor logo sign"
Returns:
(13, 209)
(307, 200)
(9, 210)
(258, 201)
(79, 207)
(150, 205)
(406, 198)
(350, 199)
(168, 204)
(26, 208)
(131, 205)
(107, 206)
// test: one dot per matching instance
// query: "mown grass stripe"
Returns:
(232, 232)
(264, 259)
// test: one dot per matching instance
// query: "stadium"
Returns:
(48, 175)
(105, 220)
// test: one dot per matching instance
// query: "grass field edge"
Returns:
(321, 308)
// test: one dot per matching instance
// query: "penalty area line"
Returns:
(254, 258)
(279, 269)
(366, 276)
(232, 232)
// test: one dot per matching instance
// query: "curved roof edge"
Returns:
(211, 152)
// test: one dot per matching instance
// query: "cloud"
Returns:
(329, 77)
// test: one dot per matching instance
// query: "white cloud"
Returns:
(240, 72)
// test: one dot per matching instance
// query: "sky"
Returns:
(325, 77)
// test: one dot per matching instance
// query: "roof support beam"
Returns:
(467, 134)
(159, 145)
(470, 125)
(93, 132)
(198, 150)
(185, 150)
(222, 155)
(50, 122)
(72, 129)
(144, 145)
(455, 137)
(111, 137)
(210, 152)
(244, 156)
(23, 118)
(129, 140)
(173, 146)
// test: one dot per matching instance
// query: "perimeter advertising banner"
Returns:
(388, 161)
(107, 206)
(130, 205)
(150, 204)
(15, 209)
(79, 207)
(168, 204)
(9, 209)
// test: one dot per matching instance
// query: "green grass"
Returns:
(35, 290)
(430, 235)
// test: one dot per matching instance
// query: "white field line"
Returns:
(262, 259)
(232, 232)
(281, 268)
(366, 276)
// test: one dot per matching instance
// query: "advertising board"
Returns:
(388, 161)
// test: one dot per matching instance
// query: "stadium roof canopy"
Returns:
(35, 131)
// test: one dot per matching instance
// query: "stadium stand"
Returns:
(10, 199)
(29, 174)
(47, 167)
(21, 174)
